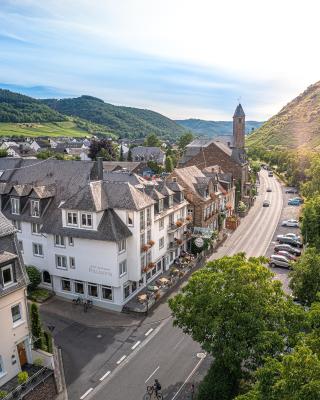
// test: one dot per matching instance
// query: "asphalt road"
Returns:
(165, 352)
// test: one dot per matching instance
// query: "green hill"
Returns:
(214, 128)
(297, 125)
(125, 121)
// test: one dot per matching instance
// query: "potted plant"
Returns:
(151, 265)
(179, 223)
(242, 208)
(151, 243)
(178, 241)
(189, 218)
(22, 377)
(145, 247)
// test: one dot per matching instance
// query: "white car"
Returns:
(292, 236)
(277, 260)
(292, 223)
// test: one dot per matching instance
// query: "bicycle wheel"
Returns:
(150, 390)
(159, 396)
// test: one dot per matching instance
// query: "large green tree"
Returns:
(310, 226)
(184, 140)
(152, 140)
(305, 276)
(169, 164)
(237, 312)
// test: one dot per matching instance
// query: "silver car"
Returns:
(277, 260)
(293, 223)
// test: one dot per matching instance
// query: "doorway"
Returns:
(22, 354)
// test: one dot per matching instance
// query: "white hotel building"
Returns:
(97, 237)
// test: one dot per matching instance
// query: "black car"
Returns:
(288, 248)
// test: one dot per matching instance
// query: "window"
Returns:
(148, 235)
(72, 262)
(35, 208)
(130, 218)
(160, 205)
(143, 261)
(20, 244)
(159, 265)
(79, 287)
(66, 285)
(190, 211)
(183, 212)
(37, 249)
(92, 290)
(148, 276)
(7, 275)
(161, 242)
(15, 206)
(59, 241)
(70, 240)
(72, 218)
(17, 225)
(149, 257)
(46, 277)
(142, 222)
(161, 224)
(107, 293)
(142, 242)
(148, 216)
(35, 228)
(16, 313)
(126, 291)
(61, 262)
(133, 287)
(171, 200)
(2, 371)
(86, 220)
(123, 268)
(122, 246)
(181, 197)
(171, 219)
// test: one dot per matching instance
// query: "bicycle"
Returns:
(77, 301)
(151, 394)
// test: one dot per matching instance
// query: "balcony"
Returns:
(175, 244)
(177, 225)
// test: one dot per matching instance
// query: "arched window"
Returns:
(46, 277)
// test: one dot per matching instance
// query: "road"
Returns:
(162, 351)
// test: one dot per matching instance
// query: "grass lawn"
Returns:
(39, 295)
(35, 129)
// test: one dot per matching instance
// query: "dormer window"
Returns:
(15, 206)
(181, 197)
(170, 200)
(160, 205)
(35, 208)
(86, 220)
(7, 275)
(72, 218)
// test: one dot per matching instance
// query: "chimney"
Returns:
(99, 168)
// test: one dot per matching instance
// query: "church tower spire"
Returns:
(239, 119)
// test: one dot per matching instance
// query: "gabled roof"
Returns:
(239, 111)
(21, 190)
(116, 165)
(6, 228)
(43, 192)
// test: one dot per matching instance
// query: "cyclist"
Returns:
(157, 386)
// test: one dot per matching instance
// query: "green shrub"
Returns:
(36, 327)
(34, 277)
(38, 362)
(3, 394)
(48, 341)
(22, 377)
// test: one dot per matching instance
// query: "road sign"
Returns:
(199, 242)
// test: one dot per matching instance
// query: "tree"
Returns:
(152, 140)
(3, 153)
(121, 157)
(34, 276)
(102, 148)
(169, 164)
(237, 312)
(312, 186)
(129, 157)
(184, 140)
(310, 227)
(36, 326)
(295, 377)
(305, 276)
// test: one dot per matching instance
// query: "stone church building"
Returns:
(230, 157)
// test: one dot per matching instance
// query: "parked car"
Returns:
(298, 199)
(279, 261)
(294, 202)
(289, 240)
(270, 173)
(287, 255)
(293, 236)
(266, 203)
(288, 248)
(269, 190)
(292, 223)
(291, 190)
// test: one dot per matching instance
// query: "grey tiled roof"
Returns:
(239, 111)
(123, 176)
(6, 228)
(122, 195)
(113, 165)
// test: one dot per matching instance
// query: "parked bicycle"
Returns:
(77, 301)
(87, 304)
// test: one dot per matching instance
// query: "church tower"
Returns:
(239, 119)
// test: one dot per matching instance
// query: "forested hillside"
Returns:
(124, 121)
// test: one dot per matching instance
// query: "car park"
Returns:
(279, 261)
(269, 190)
(266, 203)
(286, 254)
(294, 202)
(286, 247)
(292, 223)
(289, 240)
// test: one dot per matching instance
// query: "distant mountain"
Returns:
(15, 107)
(127, 122)
(296, 125)
(214, 128)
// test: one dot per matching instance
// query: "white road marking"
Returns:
(176, 345)
(135, 345)
(105, 375)
(86, 393)
(152, 373)
(121, 359)
(149, 331)
(189, 376)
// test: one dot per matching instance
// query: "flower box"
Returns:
(179, 223)
(151, 243)
(145, 247)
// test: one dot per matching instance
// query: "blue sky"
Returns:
(181, 58)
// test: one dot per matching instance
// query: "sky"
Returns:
(182, 58)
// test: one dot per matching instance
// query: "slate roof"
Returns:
(130, 166)
(123, 195)
(6, 228)
(124, 176)
(239, 111)
(193, 178)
